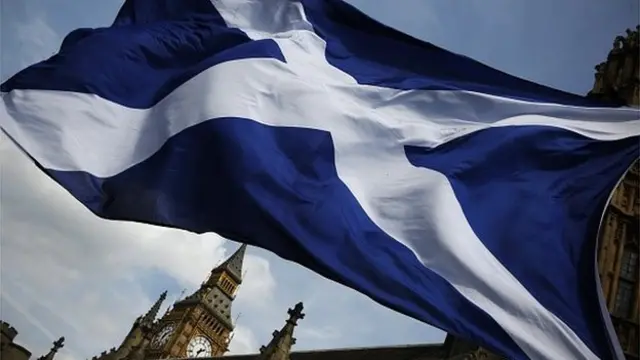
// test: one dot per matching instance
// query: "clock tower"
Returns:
(200, 325)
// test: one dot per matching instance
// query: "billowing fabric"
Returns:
(442, 188)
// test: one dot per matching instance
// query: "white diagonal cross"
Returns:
(369, 127)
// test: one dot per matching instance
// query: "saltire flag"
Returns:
(440, 187)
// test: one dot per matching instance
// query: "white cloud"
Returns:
(243, 341)
(258, 281)
(35, 322)
(321, 333)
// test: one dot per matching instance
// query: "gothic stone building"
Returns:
(618, 80)
(200, 325)
(10, 350)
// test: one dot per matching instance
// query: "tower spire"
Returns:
(279, 347)
(151, 315)
(233, 265)
(57, 345)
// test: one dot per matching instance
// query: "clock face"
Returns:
(163, 336)
(199, 346)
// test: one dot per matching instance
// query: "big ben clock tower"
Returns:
(200, 324)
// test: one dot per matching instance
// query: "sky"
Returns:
(64, 272)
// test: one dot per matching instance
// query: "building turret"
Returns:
(279, 348)
(57, 345)
(232, 266)
(151, 315)
(219, 290)
(617, 80)
(9, 350)
(143, 327)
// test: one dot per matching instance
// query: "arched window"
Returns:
(625, 294)
(624, 299)
(629, 265)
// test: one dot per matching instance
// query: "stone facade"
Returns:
(9, 350)
(618, 79)
(618, 260)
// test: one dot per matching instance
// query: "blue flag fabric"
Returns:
(442, 188)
